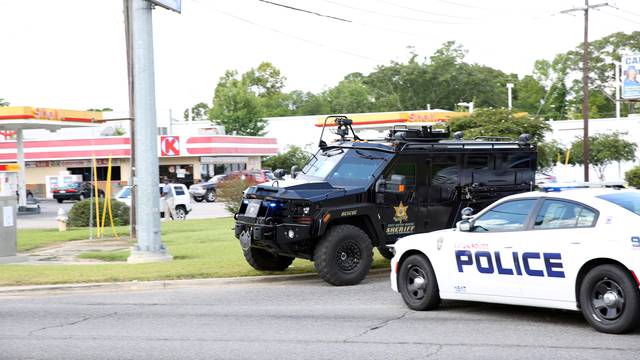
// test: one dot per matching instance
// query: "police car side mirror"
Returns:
(464, 225)
(467, 213)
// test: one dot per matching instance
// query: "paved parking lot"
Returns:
(49, 211)
(294, 318)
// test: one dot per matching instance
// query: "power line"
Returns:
(424, 11)
(377, 61)
(391, 15)
(304, 11)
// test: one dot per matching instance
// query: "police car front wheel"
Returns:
(610, 300)
(418, 284)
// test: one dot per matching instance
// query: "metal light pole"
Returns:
(149, 247)
(22, 173)
(509, 87)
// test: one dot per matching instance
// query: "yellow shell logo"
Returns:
(401, 213)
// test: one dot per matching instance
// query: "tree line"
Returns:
(552, 91)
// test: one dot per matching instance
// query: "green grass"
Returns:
(119, 255)
(35, 238)
(201, 249)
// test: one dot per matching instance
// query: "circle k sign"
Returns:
(170, 145)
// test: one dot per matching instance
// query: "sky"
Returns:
(71, 53)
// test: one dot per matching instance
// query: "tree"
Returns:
(499, 122)
(632, 177)
(527, 94)
(236, 107)
(199, 112)
(349, 96)
(293, 156)
(548, 154)
(603, 150)
(3, 102)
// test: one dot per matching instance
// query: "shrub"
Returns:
(80, 213)
(633, 177)
(230, 192)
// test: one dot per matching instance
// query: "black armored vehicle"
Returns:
(356, 194)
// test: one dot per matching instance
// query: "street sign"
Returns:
(175, 5)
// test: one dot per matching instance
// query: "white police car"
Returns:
(572, 249)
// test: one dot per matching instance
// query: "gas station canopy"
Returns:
(15, 118)
(388, 119)
(19, 118)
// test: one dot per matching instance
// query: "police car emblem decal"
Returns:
(401, 213)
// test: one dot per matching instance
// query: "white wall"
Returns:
(567, 131)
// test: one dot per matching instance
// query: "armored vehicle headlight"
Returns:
(291, 234)
(305, 210)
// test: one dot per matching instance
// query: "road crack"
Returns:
(71, 323)
(377, 326)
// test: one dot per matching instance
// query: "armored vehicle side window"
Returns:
(477, 162)
(512, 161)
(406, 168)
(444, 178)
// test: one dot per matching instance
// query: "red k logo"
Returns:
(169, 145)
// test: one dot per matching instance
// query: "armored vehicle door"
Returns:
(444, 198)
(402, 212)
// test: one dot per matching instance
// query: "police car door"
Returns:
(550, 252)
(400, 211)
(482, 259)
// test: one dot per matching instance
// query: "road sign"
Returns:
(175, 5)
(170, 145)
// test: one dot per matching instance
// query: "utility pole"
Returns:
(132, 123)
(149, 245)
(585, 82)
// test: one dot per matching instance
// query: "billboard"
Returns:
(630, 77)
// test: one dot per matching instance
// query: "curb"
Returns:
(175, 284)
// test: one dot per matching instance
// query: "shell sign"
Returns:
(30, 113)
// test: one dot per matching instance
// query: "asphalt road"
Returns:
(49, 212)
(299, 318)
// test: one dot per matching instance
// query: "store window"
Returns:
(101, 170)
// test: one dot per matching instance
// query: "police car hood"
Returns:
(302, 189)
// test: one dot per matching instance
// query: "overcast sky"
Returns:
(70, 53)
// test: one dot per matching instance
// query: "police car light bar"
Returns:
(557, 187)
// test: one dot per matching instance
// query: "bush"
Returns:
(633, 177)
(80, 213)
(230, 192)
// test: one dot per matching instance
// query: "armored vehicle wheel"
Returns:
(264, 260)
(344, 255)
(385, 252)
(417, 283)
(610, 300)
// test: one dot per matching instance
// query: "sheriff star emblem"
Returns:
(401, 213)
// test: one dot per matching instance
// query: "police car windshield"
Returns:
(342, 167)
(627, 200)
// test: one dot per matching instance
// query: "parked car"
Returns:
(182, 199)
(75, 191)
(206, 190)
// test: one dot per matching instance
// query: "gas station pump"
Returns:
(8, 187)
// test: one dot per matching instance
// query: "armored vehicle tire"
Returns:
(610, 300)
(385, 252)
(344, 255)
(417, 283)
(264, 260)
(198, 198)
(210, 196)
